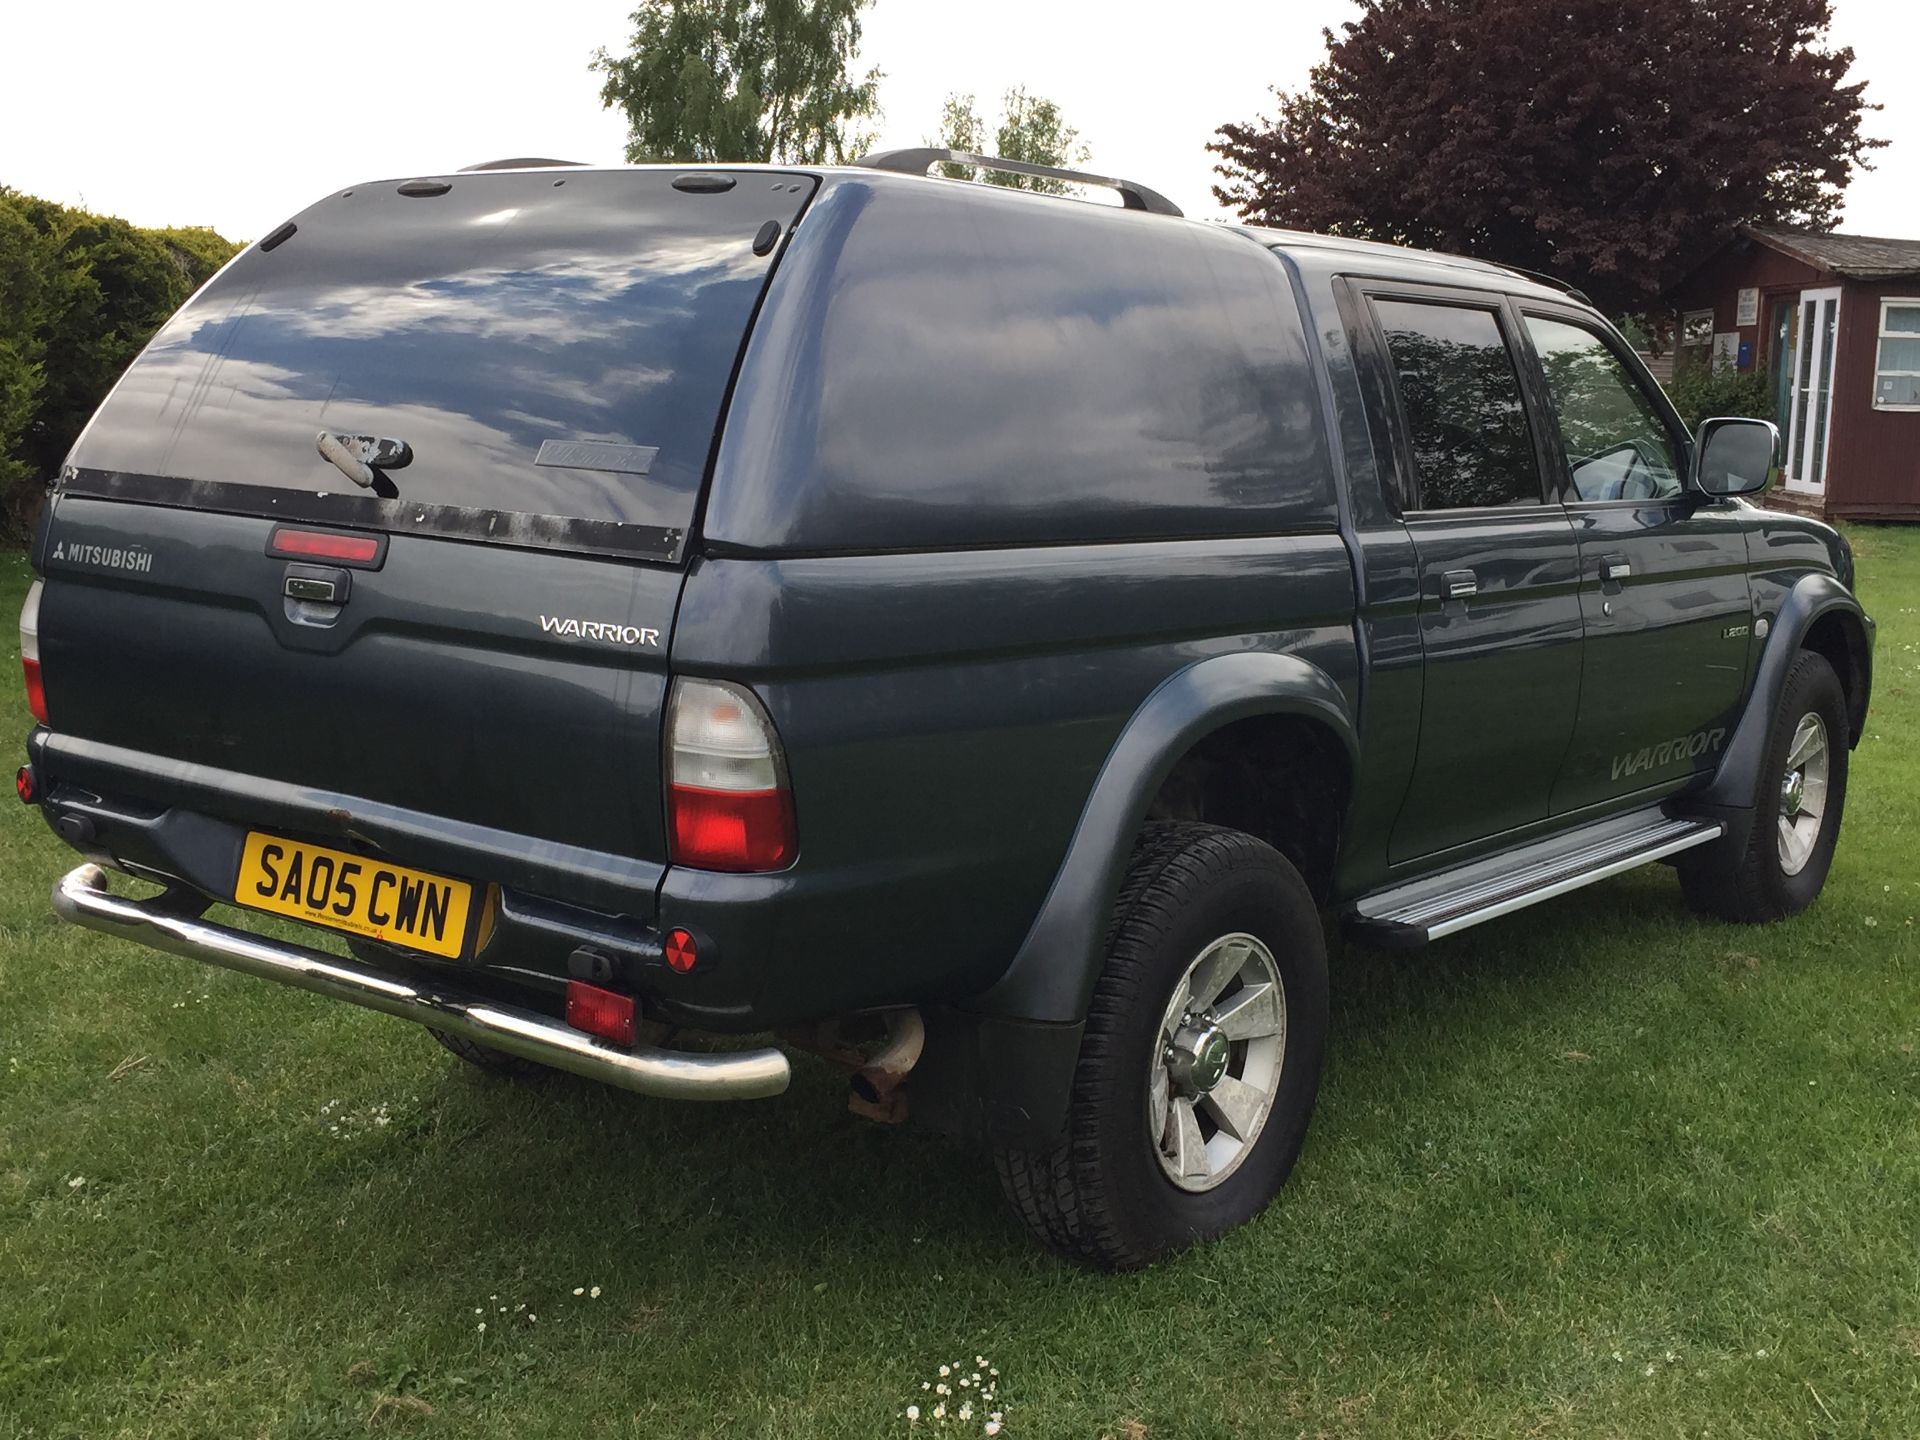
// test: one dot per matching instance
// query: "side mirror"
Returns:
(1735, 457)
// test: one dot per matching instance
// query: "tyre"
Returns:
(481, 1057)
(1796, 819)
(1201, 1056)
(492, 1061)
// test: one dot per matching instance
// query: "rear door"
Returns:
(1663, 574)
(1499, 613)
(554, 349)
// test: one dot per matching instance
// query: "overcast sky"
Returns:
(237, 115)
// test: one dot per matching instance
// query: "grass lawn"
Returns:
(1596, 1169)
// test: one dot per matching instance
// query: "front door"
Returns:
(1499, 612)
(1810, 398)
(1663, 577)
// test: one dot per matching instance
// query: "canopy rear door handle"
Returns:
(1459, 584)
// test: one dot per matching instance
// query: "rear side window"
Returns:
(1618, 447)
(1460, 395)
(553, 347)
(942, 365)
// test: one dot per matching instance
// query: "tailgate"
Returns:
(553, 349)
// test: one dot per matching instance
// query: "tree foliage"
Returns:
(1030, 128)
(730, 80)
(1698, 391)
(80, 294)
(1612, 142)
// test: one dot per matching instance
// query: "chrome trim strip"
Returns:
(81, 897)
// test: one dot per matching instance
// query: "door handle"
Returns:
(1615, 567)
(1459, 584)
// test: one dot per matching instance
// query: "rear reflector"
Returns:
(729, 804)
(605, 1013)
(683, 951)
(23, 787)
(30, 653)
(362, 551)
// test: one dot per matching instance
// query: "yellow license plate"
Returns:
(352, 893)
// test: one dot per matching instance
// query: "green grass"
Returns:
(1597, 1169)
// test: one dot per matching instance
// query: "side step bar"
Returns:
(82, 898)
(1484, 889)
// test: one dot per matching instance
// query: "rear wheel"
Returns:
(1796, 821)
(1201, 1057)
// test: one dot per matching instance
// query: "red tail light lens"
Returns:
(30, 653)
(732, 830)
(23, 787)
(36, 690)
(605, 1013)
(728, 801)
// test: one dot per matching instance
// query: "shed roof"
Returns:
(1859, 257)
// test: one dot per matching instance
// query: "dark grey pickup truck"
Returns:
(651, 614)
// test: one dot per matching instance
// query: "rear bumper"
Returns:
(81, 897)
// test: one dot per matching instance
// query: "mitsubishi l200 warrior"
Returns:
(974, 632)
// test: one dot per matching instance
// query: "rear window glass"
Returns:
(552, 347)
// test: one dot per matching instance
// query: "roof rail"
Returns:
(918, 160)
(522, 163)
(1552, 282)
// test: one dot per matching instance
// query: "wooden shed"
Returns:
(1833, 322)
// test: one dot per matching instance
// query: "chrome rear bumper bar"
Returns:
(82, 898)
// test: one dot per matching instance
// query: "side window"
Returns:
(1617, 445)
(1460, 394)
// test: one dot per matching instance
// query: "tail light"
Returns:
(30, 654)
(729, 805)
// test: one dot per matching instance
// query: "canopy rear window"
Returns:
(553, 347)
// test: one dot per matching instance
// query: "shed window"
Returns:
(1896, 379)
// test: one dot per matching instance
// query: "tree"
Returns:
(759, 80)
(1611, 142)
(80, 294)
(1030, 128)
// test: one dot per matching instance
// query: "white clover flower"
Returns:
(941, 1389)
(979, 1359)
(995, 1417)
(579, 1290)
(966, 1412)
(939, 1412)
(76, 1182)
(1759, 1354)
(594, 1293)
(479, 1310)
(1649, 1370)
(482, 1327)
(913, 1414)
(946, 1370)
(926, 1384)
(992, 1427)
